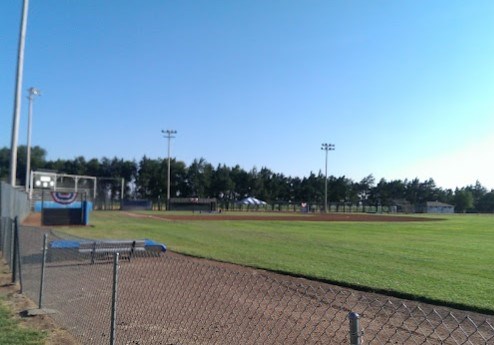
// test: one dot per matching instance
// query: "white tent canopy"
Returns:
(251, 201)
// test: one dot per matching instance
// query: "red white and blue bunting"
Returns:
(63, 197)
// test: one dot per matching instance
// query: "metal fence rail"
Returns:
(175, 299)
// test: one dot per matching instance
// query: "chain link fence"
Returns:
(14, 202)
(167, 298)
(7, 239)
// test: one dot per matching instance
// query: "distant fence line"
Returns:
(158, 205)
(175, 299)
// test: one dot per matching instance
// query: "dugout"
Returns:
(64, 209)
(136, 205)
(193, 204)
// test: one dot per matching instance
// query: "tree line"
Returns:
(147, 179)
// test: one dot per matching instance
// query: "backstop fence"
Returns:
(167, 298)
(105, 193)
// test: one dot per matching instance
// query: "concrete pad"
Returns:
(36, 312)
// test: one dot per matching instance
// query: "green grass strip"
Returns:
(13, 334)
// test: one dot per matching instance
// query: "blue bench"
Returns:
(101, 249)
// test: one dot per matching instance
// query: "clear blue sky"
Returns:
(404, 89)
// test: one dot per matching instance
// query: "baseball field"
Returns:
(444, 260)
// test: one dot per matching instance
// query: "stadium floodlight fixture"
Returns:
(32, 92)
(326, 147)
(169, 134)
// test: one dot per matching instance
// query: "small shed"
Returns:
(401, 206)
(438, 207)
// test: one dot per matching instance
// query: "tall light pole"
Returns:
(169, 135)
(32, 92)
(18, 94)
(326, 147)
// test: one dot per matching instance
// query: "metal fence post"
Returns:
(114, 299)
(14, 256)
(42, 281)
(19, 253)
(4, 222)
(10, 243)
(93, 253)
(355, 332)
(2, 236)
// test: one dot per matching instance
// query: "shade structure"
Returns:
(251, 201)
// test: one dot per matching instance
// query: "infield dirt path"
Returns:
(273, 216)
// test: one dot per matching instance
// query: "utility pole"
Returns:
(326, 147)
(18, 94)
(169, 135)
(32, 92)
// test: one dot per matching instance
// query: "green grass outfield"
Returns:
(447, 262)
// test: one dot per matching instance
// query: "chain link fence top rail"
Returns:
(174, 299)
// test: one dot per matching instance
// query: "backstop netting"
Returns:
(105, 193)
(42, 181)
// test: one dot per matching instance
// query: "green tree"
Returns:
(242, 182)
(199, 175)
(338, 189)
(463, 200)
(178, 182)
(221, 183)
(4, 163)
(38, 160)
(311, 189)
(486, 203)
(150, 180)
(478, 192)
